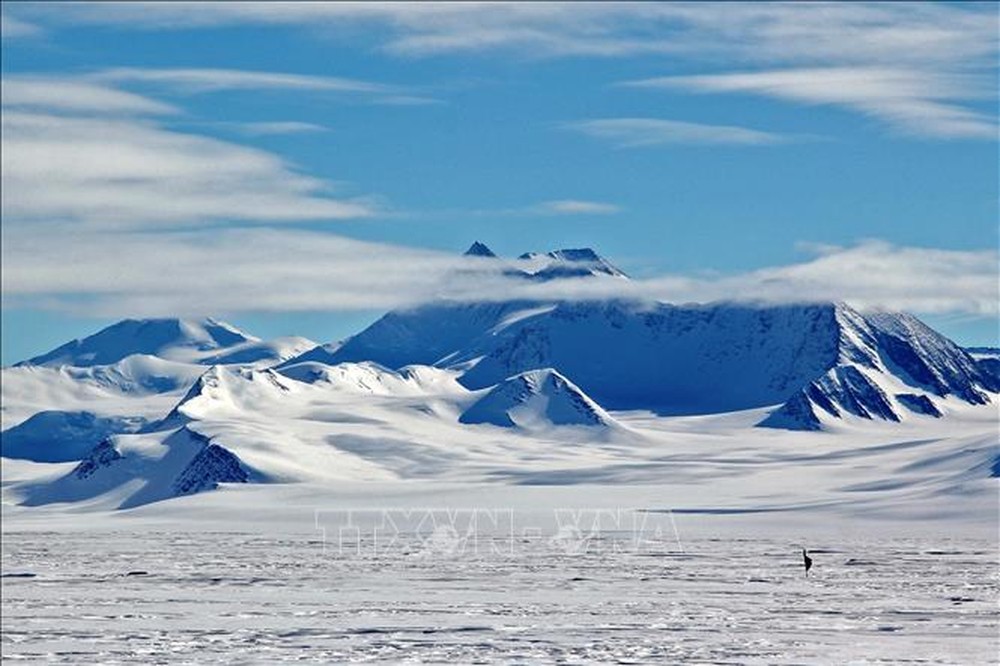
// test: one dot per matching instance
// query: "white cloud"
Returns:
(65, 95)
(577, 207)
(915, 102)
(87, 153)
(128, 172)
(870, 274)
(11, 28)
(550, 208)
(275, 127)
(116, 273)
(199, 80)
(639, 132)
(220, 270)
(194, 80)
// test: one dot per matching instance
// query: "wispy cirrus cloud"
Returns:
(921, 69)
(576, 207)
(761, 32)
(12, 28)
(91, 154)
(195, 80)
(640, 132)
(914, 102)
(60, 95)
(200, 80)
(265, 128)
(548, 208)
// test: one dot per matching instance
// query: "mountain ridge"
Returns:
(222, 406)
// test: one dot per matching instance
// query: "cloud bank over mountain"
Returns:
(266, 270)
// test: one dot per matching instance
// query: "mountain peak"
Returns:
(478, 249)
(173, 339)
(575, 254)
(537, 399)
(571, 262)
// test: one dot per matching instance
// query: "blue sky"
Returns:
(299, 168)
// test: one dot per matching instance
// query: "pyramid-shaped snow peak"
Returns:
(172, 339)
(478, 249)
(537, 399)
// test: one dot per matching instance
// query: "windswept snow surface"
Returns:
(135, 596)
(363, 422)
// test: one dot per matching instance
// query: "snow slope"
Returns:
(130, 470)
(423, 336)
(60, 436)
(261, 353)
(676, 360)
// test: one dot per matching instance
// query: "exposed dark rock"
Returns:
(103, 455)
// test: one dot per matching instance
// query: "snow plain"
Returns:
(269, 575)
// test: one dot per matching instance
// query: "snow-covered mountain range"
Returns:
(145, 410)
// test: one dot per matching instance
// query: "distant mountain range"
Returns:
(205, 342)
(148, 404)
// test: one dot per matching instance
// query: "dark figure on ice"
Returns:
(808, 561)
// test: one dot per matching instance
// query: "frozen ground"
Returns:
(386, 573)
